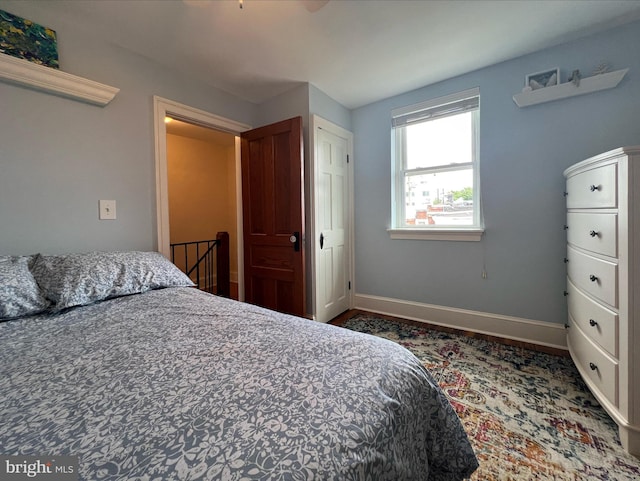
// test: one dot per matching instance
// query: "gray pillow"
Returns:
(78, 279)
(19, 294)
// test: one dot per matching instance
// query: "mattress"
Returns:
(176, 383)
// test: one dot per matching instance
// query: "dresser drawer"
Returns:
(596, 321)
(596, 277)
(594, 365)
(594, 232)
(594, 188)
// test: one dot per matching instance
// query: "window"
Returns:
(435, 188)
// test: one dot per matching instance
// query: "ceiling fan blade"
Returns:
(314, 5)
(196, 3)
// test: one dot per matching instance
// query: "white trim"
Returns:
(468, 235)
(318, 122)
(525, 330)
(427, 104)
(239, 220)
(50, 80)
(201, 117)
(161, 108)
(162, 185)
(400, 172)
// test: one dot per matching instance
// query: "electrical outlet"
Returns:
(107, 209)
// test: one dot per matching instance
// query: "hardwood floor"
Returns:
(342, 318)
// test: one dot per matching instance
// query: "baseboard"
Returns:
(519, 329)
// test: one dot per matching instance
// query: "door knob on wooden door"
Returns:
(295, 240)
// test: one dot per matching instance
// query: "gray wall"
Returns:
(523, 153)
(58, 157)
(326, 107)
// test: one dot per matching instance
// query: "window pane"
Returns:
(440, 199)
(442, 141)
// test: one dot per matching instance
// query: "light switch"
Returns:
(107, 209)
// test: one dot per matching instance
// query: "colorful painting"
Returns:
(23, 38)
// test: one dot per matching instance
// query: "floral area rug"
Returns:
(528, 415)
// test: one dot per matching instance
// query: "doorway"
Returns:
(202, 198)
(166, 108)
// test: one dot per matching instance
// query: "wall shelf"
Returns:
(23, 72)
(587, 85)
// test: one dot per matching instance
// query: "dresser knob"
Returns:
(593, 278)
(593, 188)
(592, 366)
(592, 323)
(593, 233)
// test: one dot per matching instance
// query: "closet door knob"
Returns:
(592, 366)
(592, 323)
(593, 233)
(593, 188)
(593, 278)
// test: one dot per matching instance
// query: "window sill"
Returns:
(465, 235)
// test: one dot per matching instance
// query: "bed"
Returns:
(116, 359)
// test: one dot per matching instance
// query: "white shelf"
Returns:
(23, 72)
(587, 85)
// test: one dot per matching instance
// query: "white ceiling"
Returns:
(356, 51)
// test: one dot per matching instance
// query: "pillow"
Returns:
(19, 293)
(78, 279)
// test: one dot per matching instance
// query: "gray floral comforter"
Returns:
(179, 384)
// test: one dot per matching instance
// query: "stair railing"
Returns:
(206, 263)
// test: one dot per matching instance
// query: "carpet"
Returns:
(528, 414)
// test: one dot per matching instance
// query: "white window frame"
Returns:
(429, 232)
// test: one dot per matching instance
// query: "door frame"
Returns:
(161, 108)
(318, 122)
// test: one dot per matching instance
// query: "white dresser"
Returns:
(603, 283)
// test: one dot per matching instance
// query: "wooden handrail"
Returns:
(223, 265)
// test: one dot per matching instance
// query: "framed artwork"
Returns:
(546, 78)
(25, 39)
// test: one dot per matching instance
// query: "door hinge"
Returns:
(347, 158)
(349, 285)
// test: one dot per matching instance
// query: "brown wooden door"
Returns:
(273, 216)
